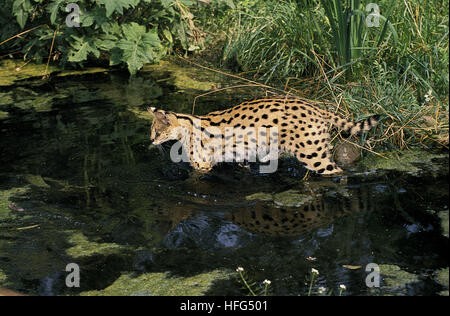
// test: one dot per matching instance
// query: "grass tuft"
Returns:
(325, 51)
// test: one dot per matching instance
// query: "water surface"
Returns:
(80, 182)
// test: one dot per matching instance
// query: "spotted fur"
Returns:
(302, 130)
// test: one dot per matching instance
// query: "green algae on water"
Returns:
(13, 70)
(184, 78)
(3, 277)
(443, 215)
(291, 198)
(36, 180)
(160, 284)
(5, 200)
(441, 276)
(85, 248)
(395, 279)
(405, 161)
(259, 197)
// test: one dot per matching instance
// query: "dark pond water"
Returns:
(77, 169)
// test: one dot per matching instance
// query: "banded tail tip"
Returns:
(365, 125)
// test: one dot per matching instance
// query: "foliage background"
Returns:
(128, 32)
(319, 49)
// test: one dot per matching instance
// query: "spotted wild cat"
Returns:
(295, 125)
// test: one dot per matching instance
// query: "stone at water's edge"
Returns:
(346, 153)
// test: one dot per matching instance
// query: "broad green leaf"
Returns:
(107, 42)
(112, 28)
(81, 48)
(53, 9)
(117, 5)
(138, 46)
(116, 56)
(87, 19)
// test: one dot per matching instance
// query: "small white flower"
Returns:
(314, 271)
(240, 269)
(321, 290)
(267, 282)
(428, 96)
(343, 287)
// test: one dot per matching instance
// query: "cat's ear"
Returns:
(163, 116)
(152, 110)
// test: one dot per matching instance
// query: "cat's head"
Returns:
(165, 126)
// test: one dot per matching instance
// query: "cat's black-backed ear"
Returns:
(158, 114)
(162, 117)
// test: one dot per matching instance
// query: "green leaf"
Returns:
(53, 9)
(107, 42)
(112, 28)
(138, 46)
(116, 56)
(168, 35)
(117, 5)
(167, 3)
(21, 9)
(81, 48)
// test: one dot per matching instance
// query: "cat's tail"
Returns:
(352, 128)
